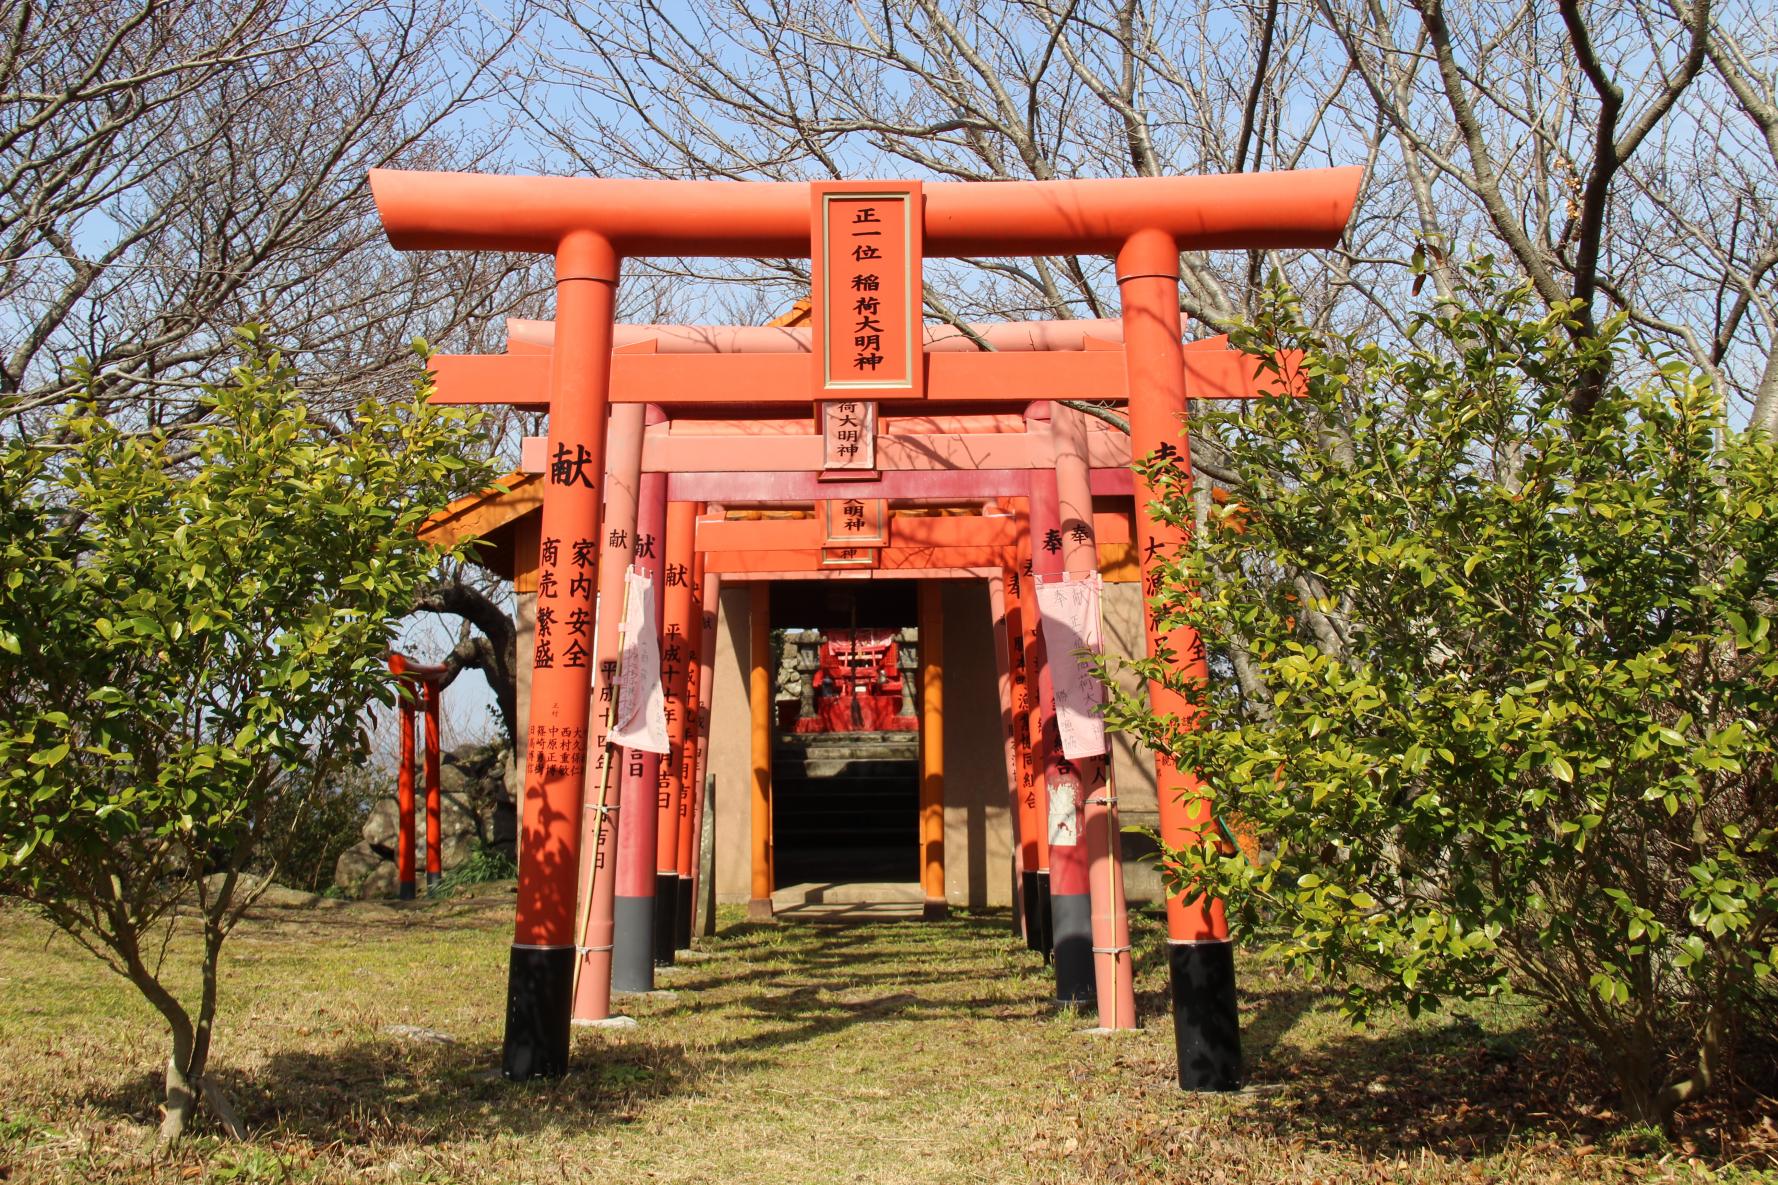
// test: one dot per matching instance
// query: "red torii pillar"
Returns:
(1002, 606)
(602, 807)
(1200, 957)
(633, 911)
(1070, 905)
(540, 983)
(1033, 812)
(689, 789)
(676, 659)
(708, 590)
(1024, 794)
(1113, 970)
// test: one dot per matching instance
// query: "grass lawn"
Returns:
(892, 1052)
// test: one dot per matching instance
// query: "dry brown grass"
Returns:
(901, 1052)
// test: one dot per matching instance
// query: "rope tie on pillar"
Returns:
(1112, 950)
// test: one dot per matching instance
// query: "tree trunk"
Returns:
(187, 1083)
(182, 1092)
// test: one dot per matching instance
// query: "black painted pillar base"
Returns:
(666, 916)
(1046, 919)
(1206, 1022)
(682, 919)
(632, 944)
(406, 891)
(432, 879)
(1072, 916)
(539, 1012)
(1032, 914)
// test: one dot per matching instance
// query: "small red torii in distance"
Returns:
(429, 679)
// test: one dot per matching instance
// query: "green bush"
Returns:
(1512, 681)
(485, 864)
(190, 626)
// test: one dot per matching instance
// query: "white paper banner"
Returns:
(1069, 609)
(641, 702)
(1064, 815)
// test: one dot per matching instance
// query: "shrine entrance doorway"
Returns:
(846, 740)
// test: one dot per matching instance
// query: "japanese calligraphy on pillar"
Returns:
(848, 438)
(855, 522)
(866, 278)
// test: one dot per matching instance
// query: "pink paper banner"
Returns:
(641, 702)
(1069, 609)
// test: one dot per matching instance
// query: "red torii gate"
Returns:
(429, 681)
(972, 455)
(590, 225)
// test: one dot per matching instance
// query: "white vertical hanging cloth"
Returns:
(1069, 609)
(641, 702)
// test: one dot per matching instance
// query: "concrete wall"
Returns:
(1132, 770)
(978, 831)
(731, 747)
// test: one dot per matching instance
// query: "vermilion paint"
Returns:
(434, 808)
(540, 989)
(1113, 970)
(932, 748)
(769, 220)
(1201, 964)
(759, 705)
(633, 936)
(601, 808)
(404, 798)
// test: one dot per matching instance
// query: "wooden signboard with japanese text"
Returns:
(849, 557)
(855, 522)
(848, 439)
(865, 277)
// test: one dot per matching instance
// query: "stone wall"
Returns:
(476, 808)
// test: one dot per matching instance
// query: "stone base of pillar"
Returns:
(1072, 915)
(1031, 906)
(759, 909)
(935, 909)
(1206, 1022)
(539, 1012)
(682, 918)
(632, 944)
(666, 917)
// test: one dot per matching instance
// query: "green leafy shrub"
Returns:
(1511, 682)
(190, 627)
(484, 865)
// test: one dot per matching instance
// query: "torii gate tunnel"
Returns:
(866, 241)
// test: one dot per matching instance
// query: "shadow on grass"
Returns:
(780, 985)
(1453, 1087)
(393, 1092)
